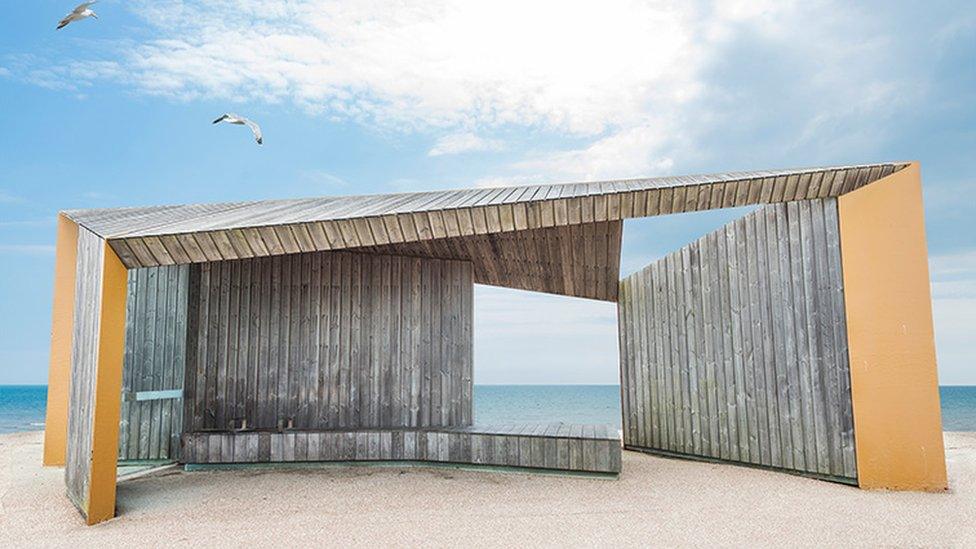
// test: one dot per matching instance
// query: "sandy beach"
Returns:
(655, 501)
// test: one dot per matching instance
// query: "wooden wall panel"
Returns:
(734, 347)
(329, 340)
(155, 362)
(84, 363)
(587, 448)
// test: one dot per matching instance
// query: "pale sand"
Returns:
(655, 501)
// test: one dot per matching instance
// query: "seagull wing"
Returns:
(75, 14)
(83, 6)
(222, 118)
(256, 129)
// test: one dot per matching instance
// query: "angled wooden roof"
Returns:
(473, 218)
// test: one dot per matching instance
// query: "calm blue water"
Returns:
(22, 406)
(958, 408)
(498, 404)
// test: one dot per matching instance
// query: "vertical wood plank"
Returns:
(739, 353)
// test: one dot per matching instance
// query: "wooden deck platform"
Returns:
(558, 446)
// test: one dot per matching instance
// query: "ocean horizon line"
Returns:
(501, 384)
(23, 407)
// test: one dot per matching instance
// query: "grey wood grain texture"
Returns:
(532, 446)
(356, 341)
(581, 263)
(745, 336)
(84, 358)
(164, 235)
(155, 360)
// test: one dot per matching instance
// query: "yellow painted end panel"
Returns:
(62, 328)
(108, 390)
(894, 384)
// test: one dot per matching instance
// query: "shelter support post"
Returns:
(108, 389)
(96, 379)
(894, 385)
(62, 325)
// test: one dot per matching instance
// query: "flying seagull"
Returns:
(232, 118)
(79, 13)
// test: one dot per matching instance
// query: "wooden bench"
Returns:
(559, 446)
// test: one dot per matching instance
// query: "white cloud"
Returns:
(575, 66)
(633, 152)
(640, 86)
(27, 249)
(43, 222)
(322, 178)
(7, 198)
(456, 143)
(952, 267)
(71, 76)
(98, 196)
(510, 180)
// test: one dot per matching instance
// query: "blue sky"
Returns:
(362, 98)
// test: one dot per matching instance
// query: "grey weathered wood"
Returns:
(741, 338)
(814, 331)
(803, 352)
(162, 235)
(149, 348)
(732, 384)
(155, 360)
(330, 360)
(568, 447)
(84, 357)
(841, 399)
(754, 336)
(793, 371)
(551, 260)
(772, 409)
(746, 353)
(708, 290)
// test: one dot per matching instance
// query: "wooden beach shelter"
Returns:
(797, 338)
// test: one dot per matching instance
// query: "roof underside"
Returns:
(459, 224)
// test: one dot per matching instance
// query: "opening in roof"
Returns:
(648, 239)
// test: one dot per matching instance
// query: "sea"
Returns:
(22, 406)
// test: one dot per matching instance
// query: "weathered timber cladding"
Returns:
(591, 448)
(155, 362)
(735, 346)
(577, 260)
(196, 233)
(329, 340)
(84, 358)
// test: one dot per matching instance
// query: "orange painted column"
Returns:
(62, 328)
(108, 390)
(894, 383)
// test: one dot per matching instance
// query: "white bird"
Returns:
(82, 11)
(232, 118)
